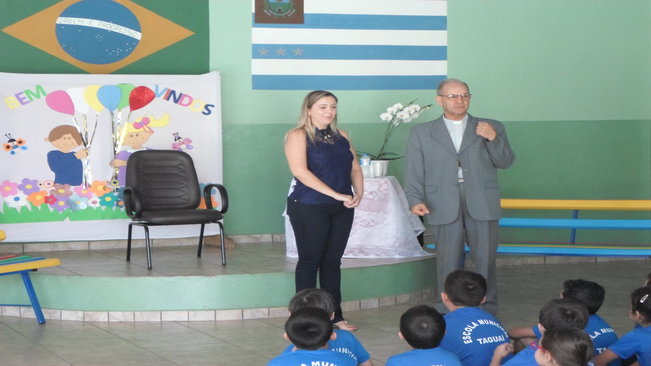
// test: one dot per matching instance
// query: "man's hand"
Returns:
(486, 130)
(420, 209)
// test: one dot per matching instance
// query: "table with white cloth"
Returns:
(383, 226)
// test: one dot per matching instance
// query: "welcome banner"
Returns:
(67, 139)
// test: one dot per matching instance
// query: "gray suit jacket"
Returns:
(431, 170)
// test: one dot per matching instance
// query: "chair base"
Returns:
(145, 226)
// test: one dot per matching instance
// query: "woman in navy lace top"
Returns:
(329, 185)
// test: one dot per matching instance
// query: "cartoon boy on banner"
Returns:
(66, 160)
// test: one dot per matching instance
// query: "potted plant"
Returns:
(395, 116)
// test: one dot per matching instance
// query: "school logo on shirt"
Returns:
(469, 328)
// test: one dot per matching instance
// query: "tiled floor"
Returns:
(522, 288)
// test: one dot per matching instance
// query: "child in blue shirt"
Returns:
(565, 347)
(471, 333)
(422, 327)
(345, 342)
(556, 314)
(638, 341)
(590, 294)
(310, 329)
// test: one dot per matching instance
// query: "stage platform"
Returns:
(257, 282)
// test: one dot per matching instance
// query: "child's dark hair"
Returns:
(563, 314)
(309, 328)
(591, 294)
(568, 347)
(465, 288)
(312, 297)
(422, 327)
(641, 302)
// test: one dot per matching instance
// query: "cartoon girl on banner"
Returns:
(134, 136)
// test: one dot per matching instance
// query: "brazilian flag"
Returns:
(104, 36)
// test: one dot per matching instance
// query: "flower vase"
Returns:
(379, 168)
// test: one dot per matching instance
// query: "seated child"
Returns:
(346, 342)
(590, 294)
(556, 314)
(565, 347)
(638, 341)
(310, 329)
(471, 333)
(423, 328)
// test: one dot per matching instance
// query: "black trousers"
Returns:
(321, 232)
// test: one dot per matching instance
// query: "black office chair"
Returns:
(162, 189)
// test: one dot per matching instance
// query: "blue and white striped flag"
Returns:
(354, 45)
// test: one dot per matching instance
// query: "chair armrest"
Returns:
(207, 194)
(132, 205)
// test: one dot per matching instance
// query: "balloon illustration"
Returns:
(90, 94)
(78, 100)
(60, 101)
(140, 96)
(126, 91)
(109, 96)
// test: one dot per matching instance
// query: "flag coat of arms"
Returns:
(353, 45)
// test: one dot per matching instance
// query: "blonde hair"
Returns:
(305, 121)
(145, 123)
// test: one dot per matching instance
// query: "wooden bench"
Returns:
(23, 265)
(576, 223)
(573, 224)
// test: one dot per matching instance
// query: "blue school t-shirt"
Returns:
(316, 357)
(526, 357)
(636, 342)
(345, 343)
(473, 334)
(425, 357)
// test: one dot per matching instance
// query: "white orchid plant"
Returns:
(396, 115)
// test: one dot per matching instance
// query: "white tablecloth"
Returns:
(383, 226)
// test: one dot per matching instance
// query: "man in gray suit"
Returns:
(451, 179)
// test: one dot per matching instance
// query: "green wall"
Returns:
(570, 80)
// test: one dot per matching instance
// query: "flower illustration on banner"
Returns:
(100, 188)
(46, 184)
(61, 191)
(78, 203)
(60, 205)
(93, 202)
(17, 201)
(50, 199)
(81, 191)
(37, 198)
(29, 186)
(8, 188)
(395, 116)
(107, 200)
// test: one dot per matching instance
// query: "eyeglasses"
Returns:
(537, 346)
(455, 96)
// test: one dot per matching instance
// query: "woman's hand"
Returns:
(354, 202)
(345, 198)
